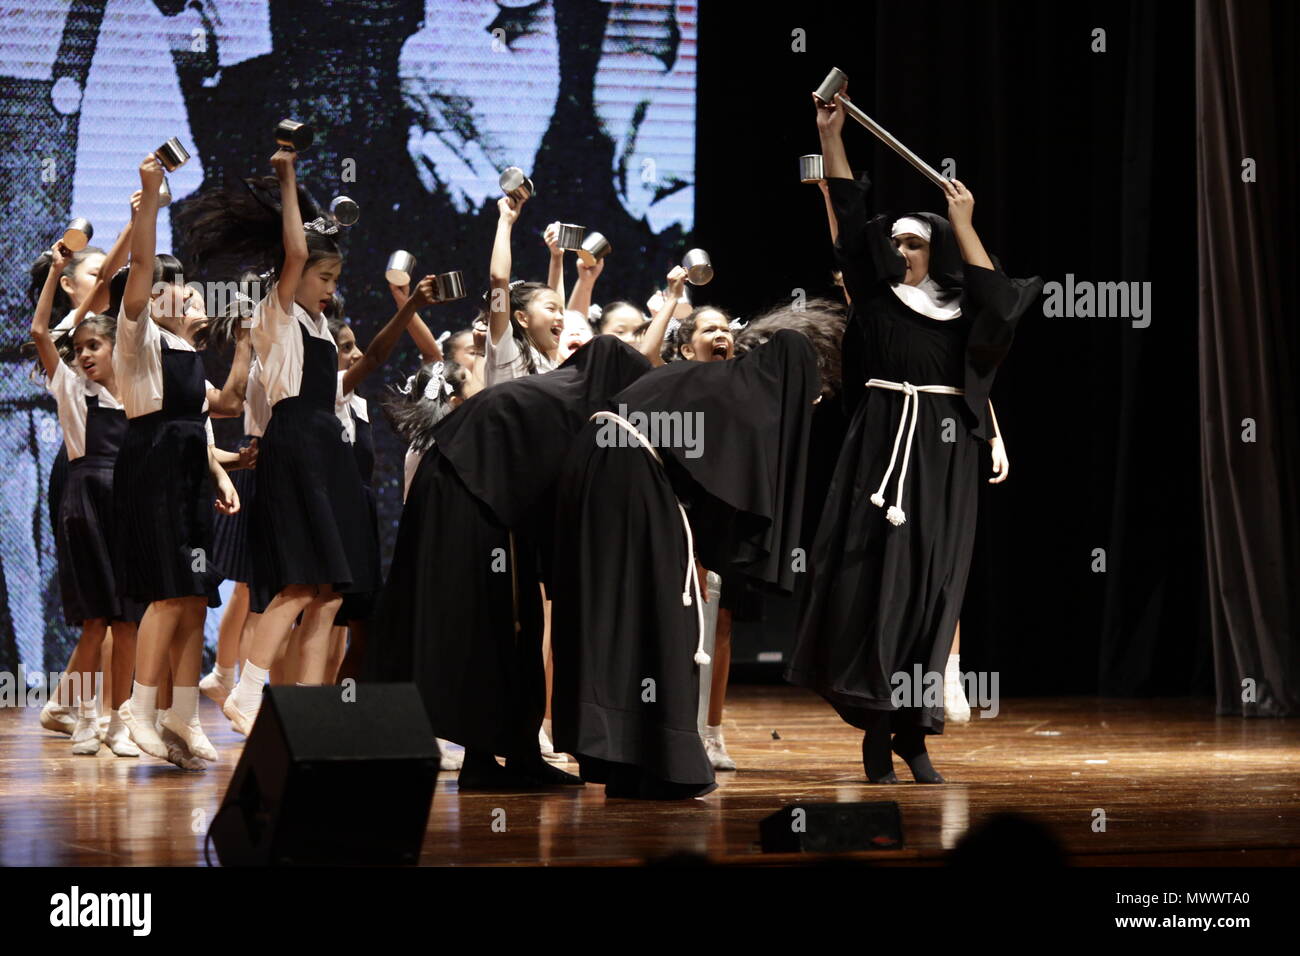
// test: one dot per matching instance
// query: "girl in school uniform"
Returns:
(93, 425)
(164, 484)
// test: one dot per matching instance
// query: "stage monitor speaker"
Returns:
(327, 781)
(832, 828)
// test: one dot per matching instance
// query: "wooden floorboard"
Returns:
(1178, 785)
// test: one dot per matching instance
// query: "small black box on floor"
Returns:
(331, 777)
(832, 828)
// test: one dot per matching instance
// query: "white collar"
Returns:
(924, 298)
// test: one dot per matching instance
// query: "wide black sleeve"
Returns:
(865, 254)
(995, 303)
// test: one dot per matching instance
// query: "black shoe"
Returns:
(910, 745)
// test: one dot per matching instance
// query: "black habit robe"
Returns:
(882, 598)
(460, 613)
(623, 635)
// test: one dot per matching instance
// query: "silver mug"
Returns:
(698, 266)
(833, 83)
(345, 210)
(290, 134)
(515, 184)
(172, 155)
(400, 265)
(570, 236)
(78, 234)
(594, 248)
(811, 169)
(448, 286)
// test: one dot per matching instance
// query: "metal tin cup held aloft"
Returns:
(290, 134)
(515, 184)
(399, 268)
(77, 236)
(172, 155)
(570, 236)
(448, 286)
(345, 210)
(699, 268)
(594, 248)
(811, 169)
(833, 83)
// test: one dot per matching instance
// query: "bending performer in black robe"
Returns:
(889, 565)
(461, 613)
(626, 615)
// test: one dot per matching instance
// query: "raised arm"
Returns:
(652, 343)
(294, 238)
(381, 346)
(961, 208)
(45, 349)
(97, 301)
(555, 272)
(228, 401)
(580, 301)
(499, 270)
(424, 339)
(139, 281)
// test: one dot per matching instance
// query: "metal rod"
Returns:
(888, 138)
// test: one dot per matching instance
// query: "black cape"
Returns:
(883, 599)
(625, 682)
(460, 613)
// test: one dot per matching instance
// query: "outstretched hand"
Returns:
(1001, 463)
(830, 116)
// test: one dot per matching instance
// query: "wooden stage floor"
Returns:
(1179, 786)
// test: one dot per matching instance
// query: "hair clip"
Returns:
(322, 226)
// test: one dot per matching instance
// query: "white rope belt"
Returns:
(692, 580)
(911, 403)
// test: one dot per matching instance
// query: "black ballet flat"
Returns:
(911, 747)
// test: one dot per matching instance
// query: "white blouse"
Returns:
(504, 361)
(70, 387)
(137, 364)
(257, 410)
(279, 346)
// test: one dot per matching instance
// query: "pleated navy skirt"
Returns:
(232, 556)
(163, 508)
(84, 532)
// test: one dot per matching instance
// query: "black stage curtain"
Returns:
(1246, 93)
(1081, 163)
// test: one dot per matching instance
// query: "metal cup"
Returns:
(570, 238)
(77, 236)
(400, 265)
(833, 83)
(290, 134)
(345, 210)
(594, 248)
(699, 268)
(515, 184)
(811, 169)
(172, 155)
(448, 286)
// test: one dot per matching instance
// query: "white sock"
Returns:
(86, 709)
(248, 692)
(546, 725)
(115, 724)
(226, 675)
(954, 662)
(185, 703)
(144, 703)
(714, 731)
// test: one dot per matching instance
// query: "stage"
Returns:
(1178, 787)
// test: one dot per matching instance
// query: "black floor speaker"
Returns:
(832, 828)
(330, 777)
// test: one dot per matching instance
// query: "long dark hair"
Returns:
(821, 320)
(231, 229)
(411, 414)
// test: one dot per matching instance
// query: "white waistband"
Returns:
(911, 402)
(692, 580)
